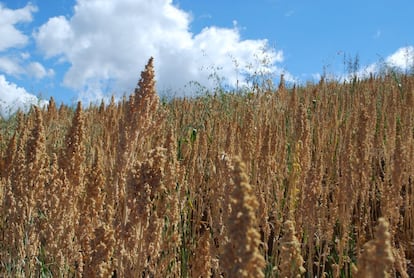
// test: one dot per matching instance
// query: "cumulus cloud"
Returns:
(401, 60)
(11, 37)
(54, 36)
(38, 71)
(107, 43)
(13, 63)
(14, 98)
(18, 66)
(9, 34)
(10, 66)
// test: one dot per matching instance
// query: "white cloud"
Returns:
(15, 63)
(25, 55)
(370, 69)
(11, 62)
(107, 44)
(37, 70)
(400, 60)
(13, 98)
(316, 76)
(10, 66)
(10, 36)
(403, 58)
(18, 66)
(54, 36)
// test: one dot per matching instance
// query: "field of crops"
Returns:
(308, 181)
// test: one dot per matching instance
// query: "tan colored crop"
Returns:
(241, 257)
(377, 258)
(313, 180)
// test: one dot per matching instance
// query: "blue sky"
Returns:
(313, 33)
(90, 49)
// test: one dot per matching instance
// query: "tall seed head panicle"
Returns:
(102, 260)
(35, 148)
(52, 111)
(377, 259)
(74, 154)
(282, 91)
(202, 261)
(242, 257)
(18, 169)
(147, 82)
(9, 156)
(146, 99)
(92, 211)
(36, 167)
(282, 82)
(140, 116)
(291, 261)
(152, 170)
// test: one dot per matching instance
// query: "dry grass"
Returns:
(314, 180)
